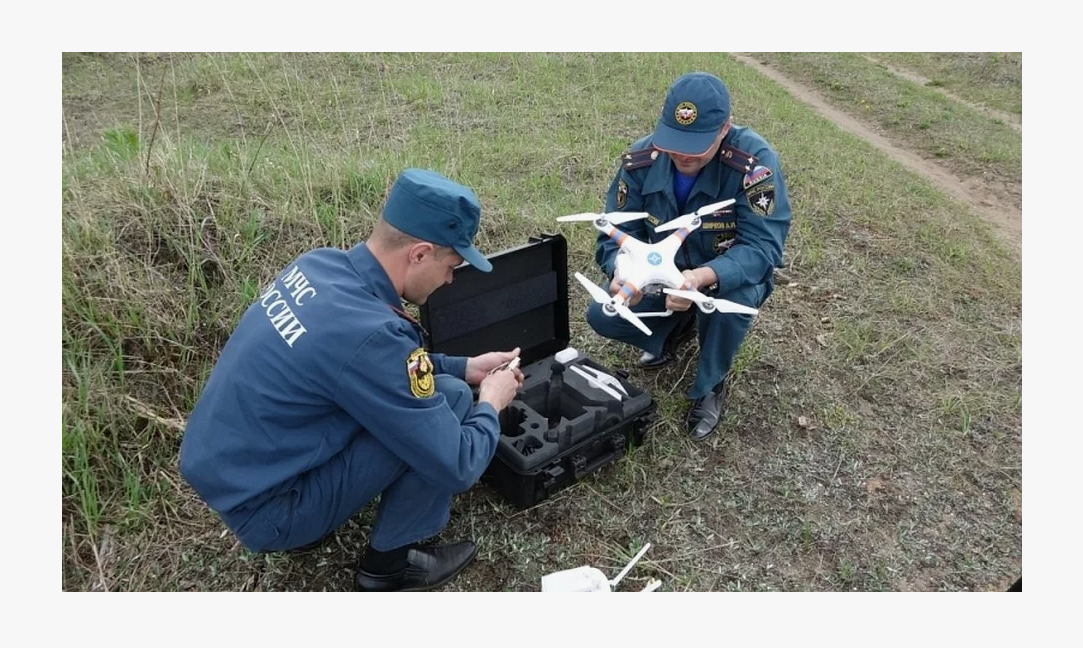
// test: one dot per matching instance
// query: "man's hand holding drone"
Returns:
(680, 304)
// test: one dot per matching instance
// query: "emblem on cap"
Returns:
(686, 113)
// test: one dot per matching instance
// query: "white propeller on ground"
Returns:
(688, 219)
(708, 304)
(607, 301)
(614, 218)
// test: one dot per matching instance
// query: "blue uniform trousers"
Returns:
(320, 500)
(720, 334)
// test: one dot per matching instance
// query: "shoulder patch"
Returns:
(419, 369)
(759, 174)
(639, 159)
(761, 198)
(737, 159)
(622, 193)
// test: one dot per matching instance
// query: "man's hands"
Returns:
(694, 280)
(478, 367)
(680, 304)
(500, 388)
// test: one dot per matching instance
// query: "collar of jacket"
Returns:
(709, 181)
(373, 276)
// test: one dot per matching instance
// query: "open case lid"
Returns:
(522, 303)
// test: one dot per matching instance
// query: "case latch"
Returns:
(551, 474)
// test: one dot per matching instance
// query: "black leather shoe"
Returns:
(648, 361)
(705, 414)
(682, 333)
(427, 568)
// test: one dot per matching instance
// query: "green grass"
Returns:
(917, 117)
(992, 79)
(897, 334)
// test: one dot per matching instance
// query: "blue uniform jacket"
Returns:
(321, 357)
(743, 243)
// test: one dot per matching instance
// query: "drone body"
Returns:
(642, 267)
(648, 267)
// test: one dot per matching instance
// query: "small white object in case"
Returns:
(566, 356)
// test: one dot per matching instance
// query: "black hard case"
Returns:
(523, 303)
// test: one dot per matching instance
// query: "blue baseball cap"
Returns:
(428, 206)
(697, 106)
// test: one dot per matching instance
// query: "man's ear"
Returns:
(419, 250)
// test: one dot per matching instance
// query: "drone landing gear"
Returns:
(611, 311)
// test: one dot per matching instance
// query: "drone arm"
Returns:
(627, 292)
(619, 237)
(669, 245)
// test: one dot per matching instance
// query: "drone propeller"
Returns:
(606, 300)
(627, 314)
(596, 291)
(688, 219)
(614, 218)
(708, 304)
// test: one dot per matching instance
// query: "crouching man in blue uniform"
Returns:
(324, 397)
(697, 156)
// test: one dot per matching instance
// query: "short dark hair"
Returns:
(388, 237)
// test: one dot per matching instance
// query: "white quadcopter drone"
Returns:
(645, 266)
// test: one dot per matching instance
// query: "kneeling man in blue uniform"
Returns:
(697, 156)
(324, 398)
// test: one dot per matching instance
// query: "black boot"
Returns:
(682, 333)
(706, 412)
(426, 568)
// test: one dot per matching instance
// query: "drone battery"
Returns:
(562, 425)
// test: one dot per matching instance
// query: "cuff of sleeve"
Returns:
(455, 366)
(728, 272)
(486, 410)
(484, 407)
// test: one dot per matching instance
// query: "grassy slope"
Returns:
(899, 339)
(918, 118)
(993, 79)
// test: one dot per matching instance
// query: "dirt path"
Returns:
(974, 191)
(1015, 121)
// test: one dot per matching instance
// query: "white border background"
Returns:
(38, 35)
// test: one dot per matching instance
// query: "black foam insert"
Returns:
(532, 433)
